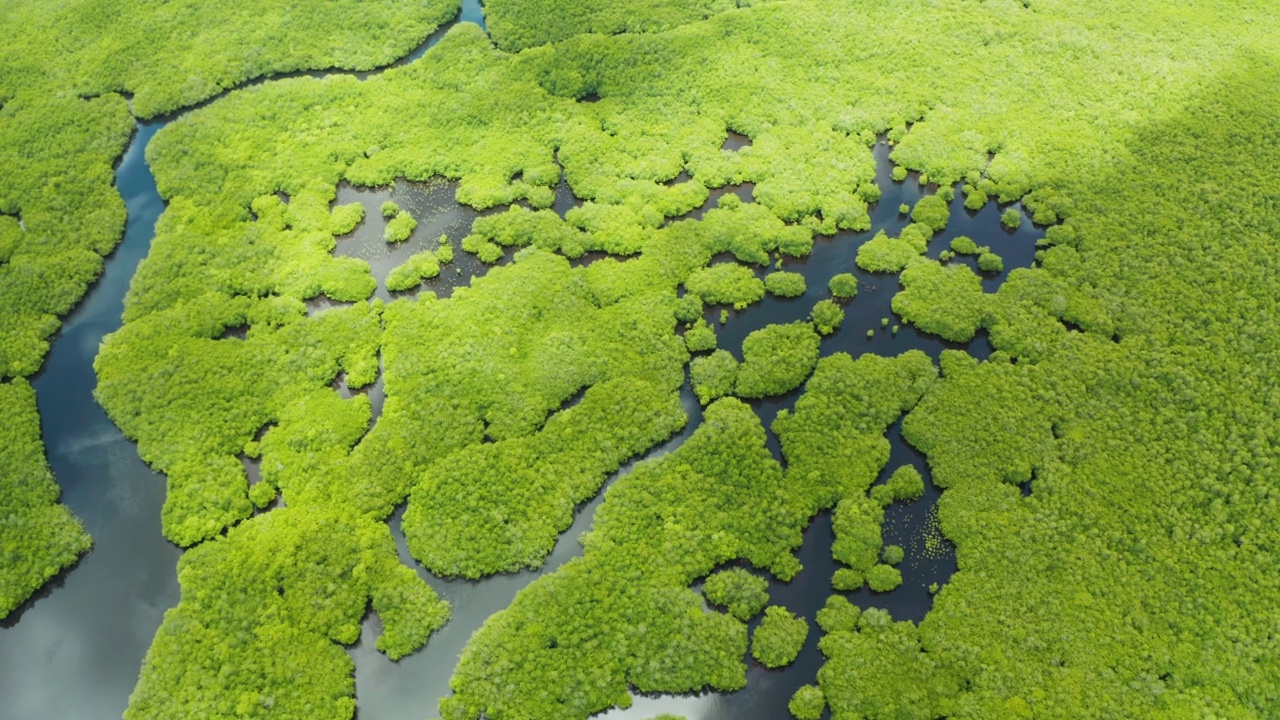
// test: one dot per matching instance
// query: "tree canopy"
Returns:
(1107, 473)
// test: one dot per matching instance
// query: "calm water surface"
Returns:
(75, 651)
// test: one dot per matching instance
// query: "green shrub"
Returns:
(838, 615)
(826, 316)
(400, 227)
(785, 284)
(700, 338)
(807, 703)
(932, 210)
(688, 308)
(945, 300)
(964, 245)
(906, 483)
(420, 266)
(742, 593)
(843, 286)
(713, 376)
(726, 284)
(776, 359)
(778, 638)
(885, 254)
(883, 578)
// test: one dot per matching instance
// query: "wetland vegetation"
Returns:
(1108, 472)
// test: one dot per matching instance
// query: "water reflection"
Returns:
(76, 652)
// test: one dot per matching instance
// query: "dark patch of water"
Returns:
(321, 303)
(433, 205)
(744, 191)
(735, 142)
(565, 199)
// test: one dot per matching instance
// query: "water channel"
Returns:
(74, 651)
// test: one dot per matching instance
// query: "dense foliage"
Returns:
(932, 211)
(420, 266)
(713, 376)
(906, 483)
(743, 593)
(38, 536)
(838, 614)
(623, 615)
(827, 317)
(891, 254)
(843, 286)
(778, 638)
(945, 300)
(726, 284)
(776, 359)
(72, 75)
(1119, 586)
(700, 338)
(261, 610)
(500, 506)
(400, 227)
(785, 284)
(519, 24)
(878, 670)
(807, 703)
(1131, 383)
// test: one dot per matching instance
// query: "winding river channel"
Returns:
(74, 650)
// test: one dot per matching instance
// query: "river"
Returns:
(74, 651)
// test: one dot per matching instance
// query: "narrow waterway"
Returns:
(76, 650)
